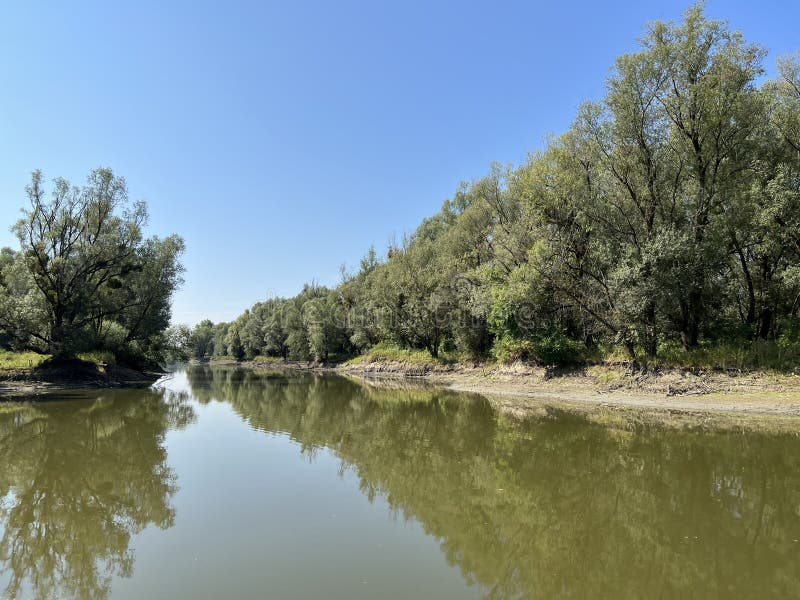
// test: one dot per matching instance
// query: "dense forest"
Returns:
(666, 218)
(85, 278)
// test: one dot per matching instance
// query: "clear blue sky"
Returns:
(281, 139)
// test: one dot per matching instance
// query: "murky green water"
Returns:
(227, 484)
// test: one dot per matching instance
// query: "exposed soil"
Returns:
(684, 398)
(51, 378)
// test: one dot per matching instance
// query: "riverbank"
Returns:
(47, 379)
(683, 398)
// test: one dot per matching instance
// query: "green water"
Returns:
(227, 484)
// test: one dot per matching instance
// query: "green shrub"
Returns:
(558, 350)
(507, 349)
(387, 352)
(554, 349)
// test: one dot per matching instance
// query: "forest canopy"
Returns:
(85, 278)
(667, 216)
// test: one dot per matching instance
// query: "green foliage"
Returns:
(202, 340)
(179, 343)
(508, 349)
(745, 355)
(233, 342)
(85, 277)
(557, 349)
(667, 216)
(553, 349)
(789, 339)
(388, 352)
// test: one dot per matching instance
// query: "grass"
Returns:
(746, 355)
(384, 352)
(98, 357)
(755, 355)
(15, 361)
(607, 376)
(21, 361)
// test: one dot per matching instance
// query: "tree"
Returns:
(202, 340)
(325, 325)
(786, 92)
(179, 343)
(667, 214)
(84, 268)
(233, 340)
(273, 328)
(714, 109)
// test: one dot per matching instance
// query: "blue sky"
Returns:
(282, 139)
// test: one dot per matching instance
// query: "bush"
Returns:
(387, 352)
(556, 349)
(789, 339)
(507, 349)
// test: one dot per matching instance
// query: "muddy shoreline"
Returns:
(38, 384)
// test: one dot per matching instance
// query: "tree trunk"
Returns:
(751, 295)
(695, 307)
(651, 334)
(630, 349)
(57, 348)
(765, 323)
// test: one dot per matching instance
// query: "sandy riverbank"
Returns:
(675, 397)
(605, 393)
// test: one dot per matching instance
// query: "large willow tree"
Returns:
(85, 277)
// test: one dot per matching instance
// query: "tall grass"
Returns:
(16, 361)
(98, 357)
(763, 355)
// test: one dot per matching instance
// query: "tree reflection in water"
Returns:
(556, 507)
(79, 478)
(551, 508)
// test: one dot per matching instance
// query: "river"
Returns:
(223, 483)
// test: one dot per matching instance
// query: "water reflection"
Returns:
(79, 478)
(549, 508)
(553, 508)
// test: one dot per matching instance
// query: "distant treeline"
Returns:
(668, 215)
